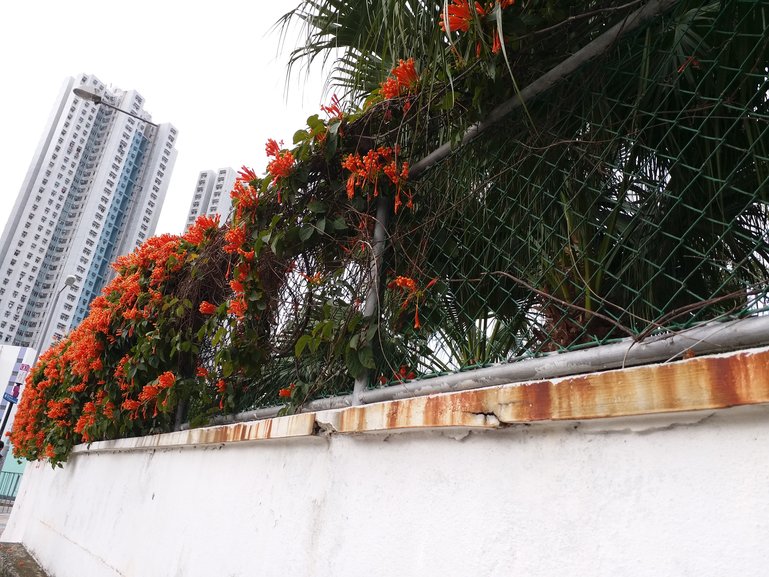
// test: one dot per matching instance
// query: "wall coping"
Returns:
(698, 384)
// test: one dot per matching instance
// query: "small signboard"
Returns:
(10, 398)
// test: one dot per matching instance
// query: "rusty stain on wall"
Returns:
(701, 383)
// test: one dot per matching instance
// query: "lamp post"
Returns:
(68, 282)
(96, 99)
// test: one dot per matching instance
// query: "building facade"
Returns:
(93, 191)
(212, 194)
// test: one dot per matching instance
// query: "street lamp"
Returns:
(68, 282)
(96, 99)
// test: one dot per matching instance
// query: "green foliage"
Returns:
(627, 198)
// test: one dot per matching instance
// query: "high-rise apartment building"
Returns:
(212, 194)
(93, 191)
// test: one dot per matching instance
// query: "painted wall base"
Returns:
(666, 493)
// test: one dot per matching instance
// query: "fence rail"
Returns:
(9, 486)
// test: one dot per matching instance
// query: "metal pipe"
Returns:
(375, 275)
(710, 338)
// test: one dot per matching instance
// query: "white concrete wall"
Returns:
(640, 496)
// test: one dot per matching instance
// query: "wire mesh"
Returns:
(630, 199)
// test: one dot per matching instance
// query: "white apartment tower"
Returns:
(212, 195)
(93, 191)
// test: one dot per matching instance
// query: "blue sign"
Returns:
(10, 398)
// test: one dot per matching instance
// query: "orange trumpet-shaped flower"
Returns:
(402, 80)
(235, 238)
(246, 174)
(282, 160)
(272, 148)
(238, 307)
(460, 16)
(405, 283)
(287, 391)
(334, 110)
(166, 380)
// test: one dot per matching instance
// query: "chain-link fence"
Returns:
(629, 199)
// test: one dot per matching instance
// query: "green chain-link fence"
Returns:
(629, 199)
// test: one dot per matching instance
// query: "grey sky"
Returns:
(212, 69)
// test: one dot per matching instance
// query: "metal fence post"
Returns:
(371, 306)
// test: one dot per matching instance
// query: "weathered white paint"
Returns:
(683, 494)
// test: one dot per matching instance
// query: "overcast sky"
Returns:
(212, 69)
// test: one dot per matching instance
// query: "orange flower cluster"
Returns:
(461, 14)
(246, 175)
(244, 196)
(334, 110)
(282, 161)
(201, 229)
(404, 283)
(90, 376)
(409, 287)
(403, 80)
(403, 374)
(367, 170)
(236, 238)
(238, 307)
(287, 392)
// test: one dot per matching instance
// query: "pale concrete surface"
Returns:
(641, 497)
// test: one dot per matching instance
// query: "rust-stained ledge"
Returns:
(302, 425)
(704, 383)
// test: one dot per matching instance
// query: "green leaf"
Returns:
(276, 244)
(301, 344)
(366, 357)
(316, 124)
(339, 223)
(328, 330)
(306, 232)
(300, 136)
(354, 367)
(317, 206)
